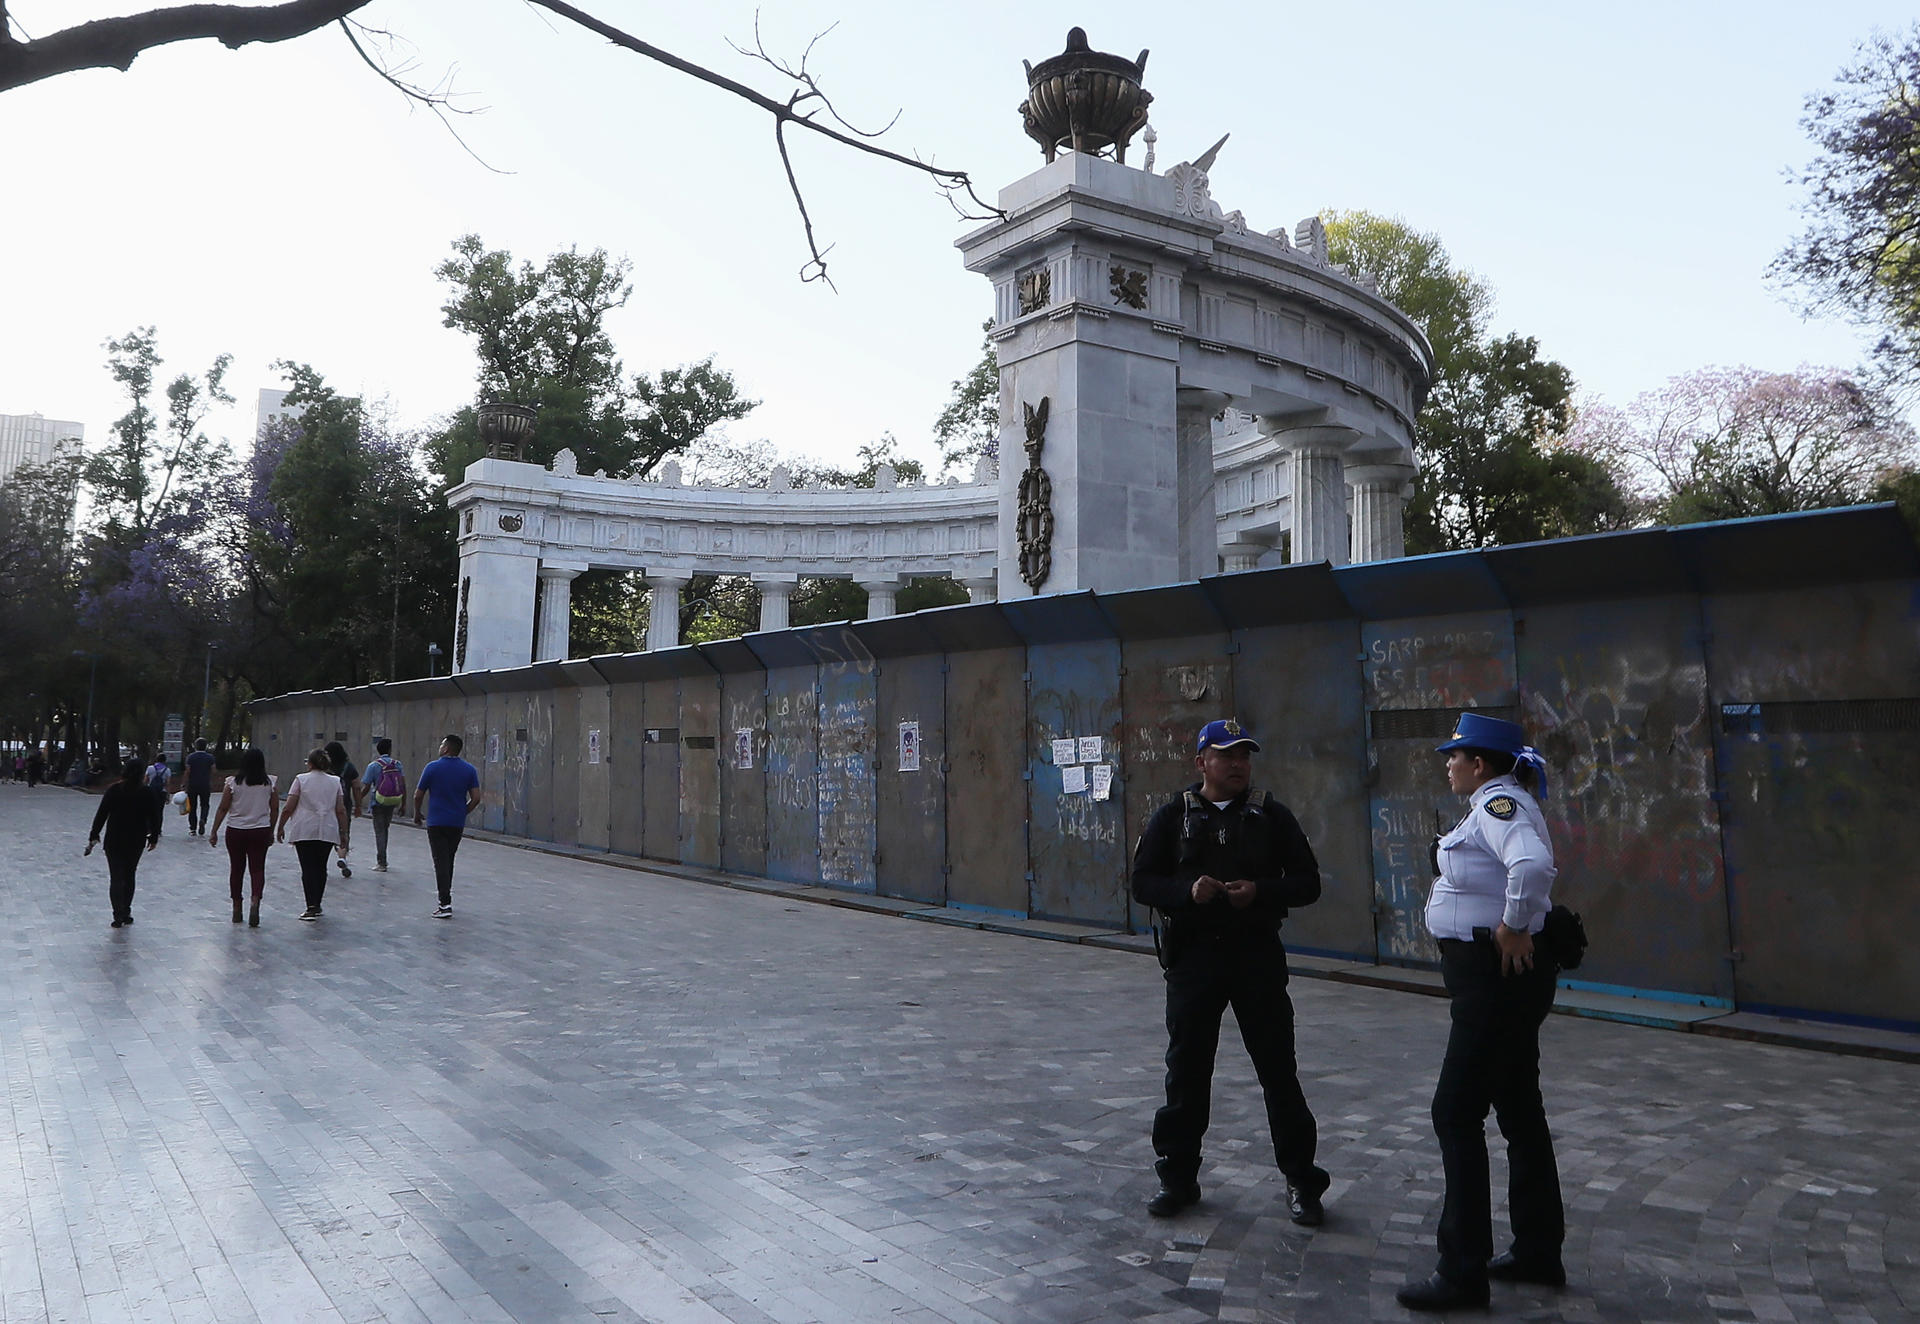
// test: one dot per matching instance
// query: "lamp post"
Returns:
(93, 672)
(206, 688)
(433, 658)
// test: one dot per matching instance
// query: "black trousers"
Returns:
(313, 869)
(1493, 1061)
(443, 842)
(1207, 976)
(122, 863)
(197, 810)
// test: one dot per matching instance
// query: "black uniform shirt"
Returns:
(1189, 837)
(130, 815)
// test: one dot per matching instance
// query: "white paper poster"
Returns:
(1073, 778)
(743, 748)
(593, 744)
(909, 746)
(1102, 781)
(493, 747)
(1089, 749)
(1063, 752)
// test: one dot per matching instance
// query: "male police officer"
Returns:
(1223, 863)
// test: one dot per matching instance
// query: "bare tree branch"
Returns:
(439, 99)
(114, 43)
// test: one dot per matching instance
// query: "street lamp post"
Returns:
(93, 672)
(433, 658)
(206, 689)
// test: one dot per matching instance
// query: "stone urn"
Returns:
(1085, 100)
(506, 429)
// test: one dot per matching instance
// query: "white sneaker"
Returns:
(379, 868)
(443, 912)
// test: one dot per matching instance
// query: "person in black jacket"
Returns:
(1222, 864)
(131, 816)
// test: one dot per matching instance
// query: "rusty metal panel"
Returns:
(1169, 689)
(848, 824)
(1419, 672)
(700, 770)
(563, 820)
(660, 770)
(912, 789)
(1816, 708)
(986, 770)
(542, 803)
(1076, 843)
(1298, 689)
(1615, 695)
(743, 771)
(793, 801)
(497, 749)
(625, 803)
(591, 739)
(516, 738)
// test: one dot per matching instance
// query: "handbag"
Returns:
(1564, 937)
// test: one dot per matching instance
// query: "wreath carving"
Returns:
(1036, 503)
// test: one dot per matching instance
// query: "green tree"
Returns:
(969, 427)
(1492, 463)
(1861, 251)
(149, 461)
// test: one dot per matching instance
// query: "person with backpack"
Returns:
(1223, 863)
(158, 775)
(382, 789)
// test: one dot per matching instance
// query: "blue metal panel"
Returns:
(1076, 843)
(626, 766)
(1450, 582)
(793, 798)
(700, 770)
(847, 742)
(743, 771)
(986, 809)
(1420, 670)
(660, 769)
(912, 829)
(566, 744)
(1161, 613)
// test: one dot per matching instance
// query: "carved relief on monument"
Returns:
(1128, 285)
(460, 626)
(1036, 290)
(512, 521)
(1036, 503)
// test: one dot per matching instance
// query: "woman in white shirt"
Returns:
(1485, 910)
(247, 807)
(315, 815)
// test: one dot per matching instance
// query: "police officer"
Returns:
(1486, 908)
(1222, 864)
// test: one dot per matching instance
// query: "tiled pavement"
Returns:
(602, 1094)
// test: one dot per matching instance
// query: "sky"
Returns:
(1620, 175)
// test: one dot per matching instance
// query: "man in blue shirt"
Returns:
(448, 790)
(199, 788)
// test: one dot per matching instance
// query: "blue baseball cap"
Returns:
(1478, 731)
(1227, 734)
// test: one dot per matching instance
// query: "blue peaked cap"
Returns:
(1478, 731)
(1225, 735)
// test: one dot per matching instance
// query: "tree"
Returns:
(148, 463)
(1492, 464)
(1728, 443)
(969, 427)
(1861, 252)
(117, 42)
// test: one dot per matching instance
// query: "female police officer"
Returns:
(1488, 904)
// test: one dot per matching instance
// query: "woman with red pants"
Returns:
(247, 807)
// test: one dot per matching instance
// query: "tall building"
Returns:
(31, 438)
(273, 405)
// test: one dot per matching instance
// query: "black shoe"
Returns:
(253, 916)
(128, 921)
(1442, 1293)
(1508, 1268)
(1304, 1209)
(1170, 1200)
(114, 925)
(236, 910)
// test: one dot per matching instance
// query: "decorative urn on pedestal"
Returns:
(1085, 100)
(506, 429)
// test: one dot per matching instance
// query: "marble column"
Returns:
(880, 596)
(1242, 555)
(776, 599)
(1315, 464)
(663, 608)
(556, 611)
(1379, 531)
(1199, 532)
(979, 589)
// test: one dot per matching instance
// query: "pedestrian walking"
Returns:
(1223, 863)
(315, 815)
(248, 803)
(158, 775)
(199, 787)
(383, 789)
(130, 816)
(36, 764)
(340, 766)
(448, 790)
(1489, 902)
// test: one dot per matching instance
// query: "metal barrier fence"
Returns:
(1729, 712)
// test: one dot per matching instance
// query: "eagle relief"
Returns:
(1036, 503)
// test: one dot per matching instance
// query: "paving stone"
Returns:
(603, 1093)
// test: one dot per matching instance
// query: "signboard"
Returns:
(173, 741)
(593, 744)
(909, 746)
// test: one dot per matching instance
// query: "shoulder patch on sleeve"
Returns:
(1501, 807)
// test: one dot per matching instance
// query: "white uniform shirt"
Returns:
(1495, 867)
